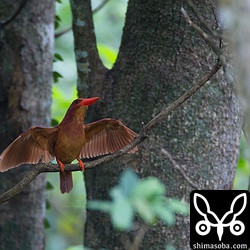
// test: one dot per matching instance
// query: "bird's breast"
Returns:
(69, 143)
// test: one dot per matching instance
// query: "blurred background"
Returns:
(65, 213)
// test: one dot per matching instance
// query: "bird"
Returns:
(71, 139)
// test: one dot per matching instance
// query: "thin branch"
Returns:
(57, 35)
(135, 245)
(27, 179)
(139, 237)
(100, 6)
(180, 169)
(206, 37)
(41, 167)
(12, 18)
(214, 33)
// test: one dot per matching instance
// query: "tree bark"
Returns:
(26, 52)
(160, 58)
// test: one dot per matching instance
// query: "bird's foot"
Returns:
(81, 164)
(61, 165)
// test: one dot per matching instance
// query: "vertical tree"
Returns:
(160, 58)
(26, 49)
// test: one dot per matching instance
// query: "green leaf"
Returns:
(46, 223)
(56, 76)
(49, 186)
(57, 21)
(117, 193)
(177, 206)
(54, 122)
(103, 206)
(145, 210)
(57, 57)
(150, 188)
(128, 181)
(122, 214)
(165, 214)
(48, 205)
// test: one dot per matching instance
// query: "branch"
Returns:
(41, 167)
(135, 245)
(180, 169)
(139, 237)
(213, 32)
(100, 6)
(59, 34)
(211, 43)
(205, 36)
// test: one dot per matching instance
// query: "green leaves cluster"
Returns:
(146, 197)
(56, 75)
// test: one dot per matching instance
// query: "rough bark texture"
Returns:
(26, 50)
(160, 58)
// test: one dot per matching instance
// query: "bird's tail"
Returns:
(66, 182)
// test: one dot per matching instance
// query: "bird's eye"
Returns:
(76, 101)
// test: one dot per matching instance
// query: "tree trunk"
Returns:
(160, 58)
(26, 52)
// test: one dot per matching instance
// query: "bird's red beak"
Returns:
(89, 101)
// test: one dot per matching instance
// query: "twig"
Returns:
(180, 169)
(206, 37)
(100, 6)
(41, 167)
(27, 179)
(135, 245)
(57, 35)
(212, 44)
(139, 237)
(11, 19)
(214, 33)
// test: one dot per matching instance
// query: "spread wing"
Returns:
(106, 136)
(32, 146)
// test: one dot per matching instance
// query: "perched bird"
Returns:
(70, 140)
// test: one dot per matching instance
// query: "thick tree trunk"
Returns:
(26, 54)
(160, 58)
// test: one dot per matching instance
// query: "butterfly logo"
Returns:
(229, 219)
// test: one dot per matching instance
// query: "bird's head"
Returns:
(79, 107)
(83, 102)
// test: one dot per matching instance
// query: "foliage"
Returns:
(143, 197)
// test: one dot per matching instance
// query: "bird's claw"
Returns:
(81, 164)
